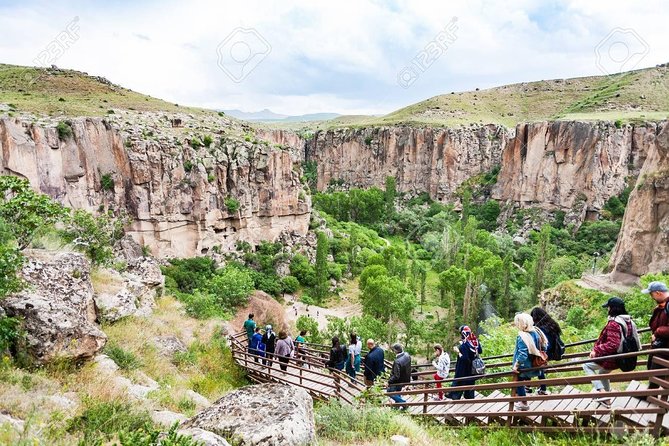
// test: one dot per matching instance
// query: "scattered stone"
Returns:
(199, 400)
(167, 418)
(105, 364)
(169, 345)
(57, 308)
(399, 440)
(14, 422)
(205, 437)
(63, 402)
(263, 415)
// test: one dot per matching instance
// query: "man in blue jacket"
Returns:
(374, 365)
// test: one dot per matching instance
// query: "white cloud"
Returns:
(327, 56)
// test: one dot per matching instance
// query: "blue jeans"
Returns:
(396, 398)
(520, 390)
(542, 375)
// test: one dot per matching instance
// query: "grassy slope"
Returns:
(635, 95)
(72, 93)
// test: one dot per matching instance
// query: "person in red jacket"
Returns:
(659, 321)
(608, 343)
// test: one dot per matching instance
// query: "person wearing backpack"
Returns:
(530, 352)
(468, 350)
(551, 329)
(610, 342)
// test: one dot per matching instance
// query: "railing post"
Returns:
(659, 418)
(509, 420)
(425, 396)
(337, 384)
(300, 369)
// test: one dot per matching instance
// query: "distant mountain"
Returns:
(269, 116)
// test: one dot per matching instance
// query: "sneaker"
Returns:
(521, 406)
(435, 398)
(543, 392)
(606, 402)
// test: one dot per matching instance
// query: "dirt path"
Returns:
(342, 310)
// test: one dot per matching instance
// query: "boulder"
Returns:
(167, 418)
(199, 400)
(169, 345)
(263, 415)
(206, 438)
(57, 308)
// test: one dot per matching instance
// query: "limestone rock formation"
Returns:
(174, 190)
(263, 415)
(643, 244)
(57, 307)
(433, 160)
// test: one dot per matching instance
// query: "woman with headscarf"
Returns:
(269, 339)
(284, 350)
(469, 348)
(530, 342)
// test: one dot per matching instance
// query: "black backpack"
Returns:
(629, 344)
(557, 348)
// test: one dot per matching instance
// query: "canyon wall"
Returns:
(174, 193)
(433, 160)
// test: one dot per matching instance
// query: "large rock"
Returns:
(206, 438)
(57, 307)
(263, 415)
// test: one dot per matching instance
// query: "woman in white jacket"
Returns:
(441, 362)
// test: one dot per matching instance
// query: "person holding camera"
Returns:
(659, 321)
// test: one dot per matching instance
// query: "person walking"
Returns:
(353, 356)
(284, 350)
(400, 375)
(469, 348)
(300, 353)
(442, 363)
(659, 322)
(373, 361)
(256, 347)
(551, 329)
(337, 357)
(531, 342)
(609, 343)
(269, 339)
(249, 327)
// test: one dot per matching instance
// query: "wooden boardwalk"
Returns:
(572, 407)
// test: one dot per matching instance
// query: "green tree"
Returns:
(389, 196)
(231, 287)
(386, 298)
(310, 325)
(26, 212)
(94, 235)
(543, 252)
(303, 270)
(290, 284)
(321, 267)
(370, 272)
(452, 283)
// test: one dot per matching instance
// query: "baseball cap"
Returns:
(614, 301)
(655, 286)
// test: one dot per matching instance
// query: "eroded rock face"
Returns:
(57, 307)
(433, 160)
(643, 243)
(174, 193)
(263, 415)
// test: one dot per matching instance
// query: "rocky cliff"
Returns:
(433, 160)
(643, 244)
(181, 195)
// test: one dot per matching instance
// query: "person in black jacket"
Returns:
(467, 350)
(337, 355)
(269, 339)
(400, 375)
(374, 365)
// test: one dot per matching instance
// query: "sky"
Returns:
(350, 57)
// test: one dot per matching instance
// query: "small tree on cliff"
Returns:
(322, 248)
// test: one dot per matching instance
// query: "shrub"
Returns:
(347, 423)
(149, 436)
(290, 284)
(94, 235)
(64, 130)
(124, 359)
(207, 140)
(185, 275)
(188, 165)
(107, 182)
(231, 204)
(231, 287)
(9, 333)
(618, 123)
(104, 419)
(303, 270)
(195, 143)
(202, 305)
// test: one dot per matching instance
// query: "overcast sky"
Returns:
(349, 57)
